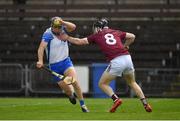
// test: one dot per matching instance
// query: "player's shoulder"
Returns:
(116, 31)
(113, 30)
(48, 34)
(48, 31)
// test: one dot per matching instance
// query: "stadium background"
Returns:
(156, 51)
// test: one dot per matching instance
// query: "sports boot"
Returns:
(84, 109)
(116, 104)
(148, 108)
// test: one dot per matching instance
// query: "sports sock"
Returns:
(114, 97)
(144, 101)
(81, 102)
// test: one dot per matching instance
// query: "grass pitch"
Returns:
(61, 109)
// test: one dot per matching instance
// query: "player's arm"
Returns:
(41, 49)
(69, 26)
(77, 41)
(129, 39)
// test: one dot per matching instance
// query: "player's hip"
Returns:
(62, 65)
(120, 65)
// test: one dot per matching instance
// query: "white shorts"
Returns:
(120, 65)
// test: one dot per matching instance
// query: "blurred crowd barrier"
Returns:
(16, 79)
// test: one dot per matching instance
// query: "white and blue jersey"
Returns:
(57, 52)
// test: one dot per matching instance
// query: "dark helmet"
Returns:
(101, 23)
(56, 22)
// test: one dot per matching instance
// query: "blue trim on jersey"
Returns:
(49, 43)
(61, 67)
(47, 37)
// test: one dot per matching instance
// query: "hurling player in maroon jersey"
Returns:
(120, 62)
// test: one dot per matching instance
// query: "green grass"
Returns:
(61, 109)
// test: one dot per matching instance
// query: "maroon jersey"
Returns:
(110, 42)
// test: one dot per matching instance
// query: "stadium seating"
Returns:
(19, 40)
(153, 45)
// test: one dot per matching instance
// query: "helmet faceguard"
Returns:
(56, 25)
(100, 24)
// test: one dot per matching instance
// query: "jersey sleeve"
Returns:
(47, 36)
(91, 38)
(122, 34)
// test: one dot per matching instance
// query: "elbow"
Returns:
(73, 27)
(133, 38)
(130, 37)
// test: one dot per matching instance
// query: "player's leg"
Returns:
(130, 79)
(65, 87)
(68, 91)
(104, 82)
(72, 73)
(129, 76)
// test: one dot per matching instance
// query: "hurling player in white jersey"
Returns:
(57, 52)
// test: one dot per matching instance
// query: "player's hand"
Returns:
(61, 21)
(39, 64)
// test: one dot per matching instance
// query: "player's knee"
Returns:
(101, 84)
(131, 83)
(65, 87)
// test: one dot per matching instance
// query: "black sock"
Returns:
(144, 101)
(114, 97)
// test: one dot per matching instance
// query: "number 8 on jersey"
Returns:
(110, 40)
